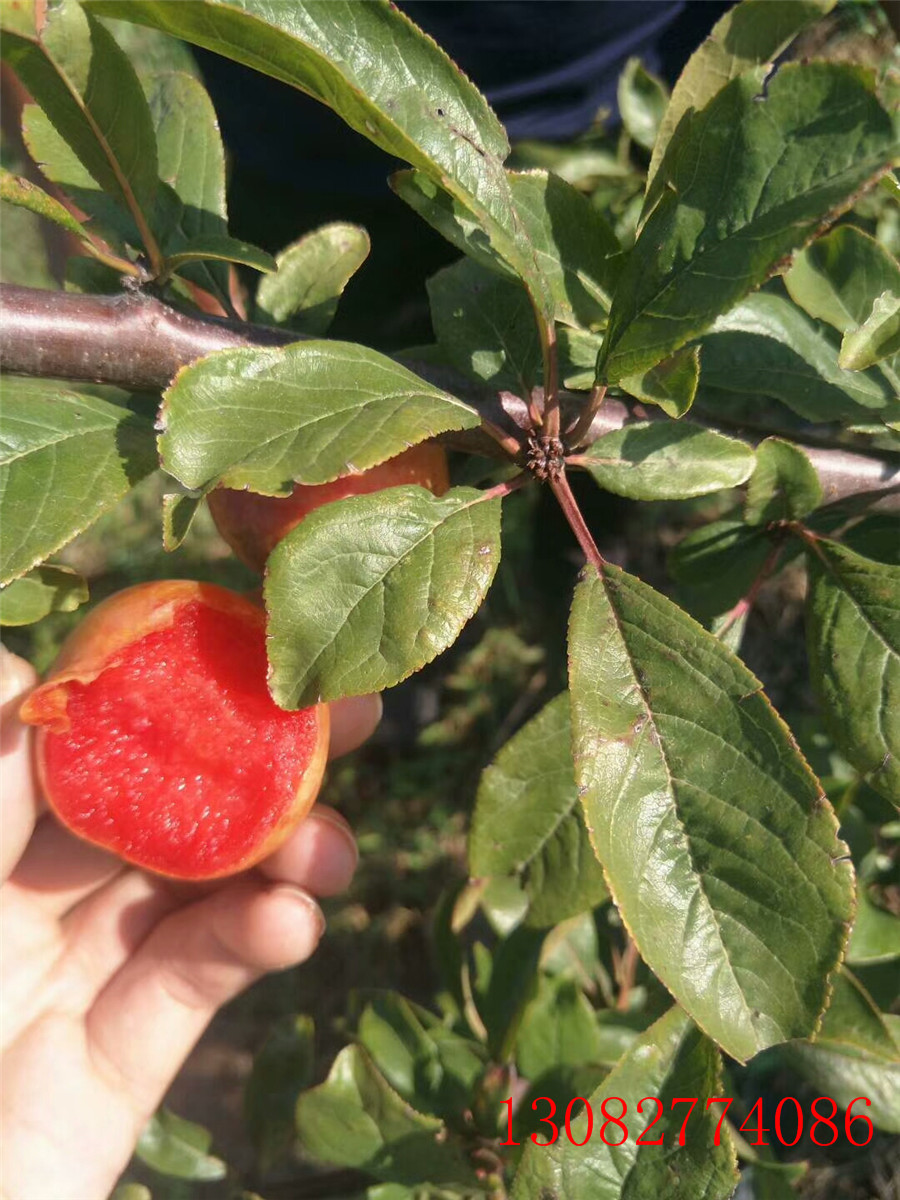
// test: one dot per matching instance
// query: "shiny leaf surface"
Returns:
(65, 458)
(672, 1058)
(744, 182)
(310, 412)
(311, 275)
(665, 460)
(365, 591)
(718, 846)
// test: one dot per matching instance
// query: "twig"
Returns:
(569, 505)
(131, 340)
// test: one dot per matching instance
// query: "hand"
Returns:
(109, 976)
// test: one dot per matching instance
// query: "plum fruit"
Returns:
(253, 525)
(158, 740)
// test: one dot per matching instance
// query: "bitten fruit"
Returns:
(158, 740)
(253, 525)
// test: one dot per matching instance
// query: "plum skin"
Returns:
(253, 525)
(113, 627)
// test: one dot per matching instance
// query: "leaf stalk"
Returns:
(567, 502)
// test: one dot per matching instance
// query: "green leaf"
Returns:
(310, 412)
(503, 901)
(766, 346)
(311, 276)
(854, 1054)
(575, 249)
(485, 325)
(512, 982)
(18, 16)
(44, 590)
(528, 820)
(784, 485)
(720, 550)
(876, 536)
(65, 458)
(769, 1179)
(355, 1119)
(717, 564)
(390, 1191)
(718, 846)
(220, 249)
(367, 590)
(281, 1070)
(672, 383)
(191, 156)
(666, 460)
(673, 1058)
(383, 77)
(876, 932)
(178, 512)
(176, 1147)
(559, 1029)
(748, 35)
(744, 182)
(836, 278)
(853, 629)
(192, 164)
(450, 217)
(90, 92)
(578, 350)
(427, 1063)
(91, 277)
(24, 194)
(643, 100)
(877, 338)
(60, 165)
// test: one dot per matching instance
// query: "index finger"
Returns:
(18, 795)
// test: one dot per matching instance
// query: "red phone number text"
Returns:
(788, 1121)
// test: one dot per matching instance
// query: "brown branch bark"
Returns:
(131, 340)
(136, 342)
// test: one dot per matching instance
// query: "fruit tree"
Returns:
(661, 372)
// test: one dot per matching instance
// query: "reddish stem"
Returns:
(586, 420)
(506, 488)
(551, 384)
(510, 444)
(535, 403)
(627, 969)
(569, 505)
(745, 603)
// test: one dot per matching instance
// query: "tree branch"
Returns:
(135, 341)
(131, 340)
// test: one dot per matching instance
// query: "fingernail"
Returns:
(303, 900)
(344, 854)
